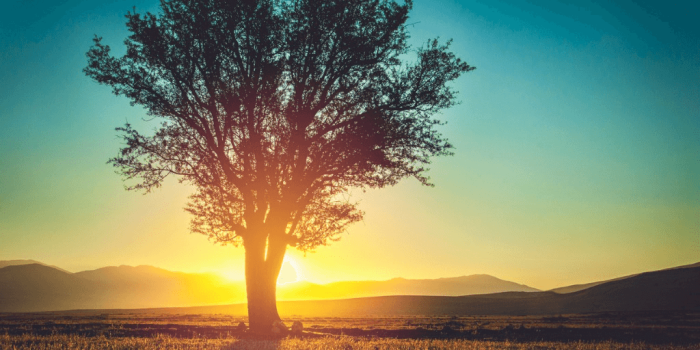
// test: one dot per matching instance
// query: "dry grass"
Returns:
(636, 331)
(71, 342)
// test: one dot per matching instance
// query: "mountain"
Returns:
(4, 263)
(455, 286)
(669, 290)
(666, 290)
(148, 286)
(38, 287)
(578, 287)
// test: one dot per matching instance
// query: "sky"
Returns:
(577, 151)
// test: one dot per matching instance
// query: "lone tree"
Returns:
(273, 110)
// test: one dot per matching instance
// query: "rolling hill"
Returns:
(4, 263)
(578, 287)
(464, 285)
(666, 290)
(37, 287)
(148, 286)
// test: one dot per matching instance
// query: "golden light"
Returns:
(290, 272)
(231, 275)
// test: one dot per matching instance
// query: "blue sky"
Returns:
(577, 150)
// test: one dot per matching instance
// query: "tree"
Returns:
(273, 110)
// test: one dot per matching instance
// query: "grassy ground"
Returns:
(75, 330)
(71, 342)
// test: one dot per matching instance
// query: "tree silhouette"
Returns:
(273, 110)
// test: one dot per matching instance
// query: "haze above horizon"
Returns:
(576, 151)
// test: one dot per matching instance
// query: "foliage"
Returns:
(275, 110)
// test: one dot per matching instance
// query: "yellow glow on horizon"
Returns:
(230, 275)
(291, 271)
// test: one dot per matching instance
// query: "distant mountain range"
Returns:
(666, 290)
(465, 285)
(37, 287)
(4, 263)
(28, 285)
(32, 286)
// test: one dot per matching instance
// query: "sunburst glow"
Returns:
(290, 272)
(231, 275)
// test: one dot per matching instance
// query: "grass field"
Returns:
(330, 343)
(90, 330)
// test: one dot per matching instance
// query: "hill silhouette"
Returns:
(37, 287)
(148, 286)
(666, 290)
(578, 287)
(4, 263)
(454, 286)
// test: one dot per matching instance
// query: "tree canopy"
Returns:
(272, 109)
(275, 109)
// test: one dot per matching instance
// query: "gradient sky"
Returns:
(577, 151)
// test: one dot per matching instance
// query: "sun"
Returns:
(231, 275)
(290, 272)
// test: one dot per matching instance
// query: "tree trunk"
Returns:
(261, 274)
(262, 301)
